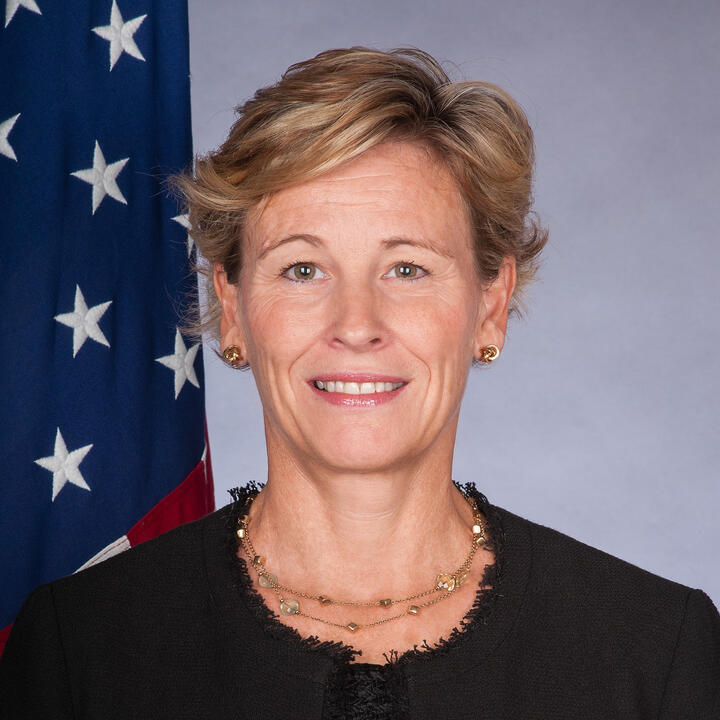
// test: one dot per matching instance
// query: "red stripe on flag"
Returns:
(3, 637)
(192, 499)
(208, 464)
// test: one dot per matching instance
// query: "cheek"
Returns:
(280, 327)
(439, 327)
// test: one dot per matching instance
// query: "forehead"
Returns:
(396, 188)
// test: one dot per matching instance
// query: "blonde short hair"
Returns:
(333, 107)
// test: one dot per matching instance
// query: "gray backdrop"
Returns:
(600, 419)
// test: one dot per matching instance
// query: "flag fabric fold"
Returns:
(103, 424)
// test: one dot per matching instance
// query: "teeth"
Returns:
(353, 388)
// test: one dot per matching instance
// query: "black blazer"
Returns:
(167, 630)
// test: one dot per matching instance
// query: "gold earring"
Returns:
(233, 356)
(489, 353)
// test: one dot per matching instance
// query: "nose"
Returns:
(356, 317)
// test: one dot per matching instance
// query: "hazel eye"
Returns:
(409, 271)
(301, 272)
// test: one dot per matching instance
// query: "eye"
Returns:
(301, 271)
(408, 270)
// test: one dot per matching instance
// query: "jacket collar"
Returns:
(286, 658)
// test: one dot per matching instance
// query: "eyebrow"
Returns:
(417, 242)
(290, 238)
(387, 244)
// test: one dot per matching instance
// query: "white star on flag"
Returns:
(182, 363)
(120, 35)
(5, 128)
(184, 220)
(12, 6)
(64, 465)
(103, 178)
(84, 321)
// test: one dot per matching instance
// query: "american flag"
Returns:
(103, 425)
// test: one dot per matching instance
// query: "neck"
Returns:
(361, 536)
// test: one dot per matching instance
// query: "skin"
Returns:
(359, 502)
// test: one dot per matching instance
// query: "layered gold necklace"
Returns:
(445, 583)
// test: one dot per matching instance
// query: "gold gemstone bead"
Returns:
(413, 610)
(352, 627)
(445, 581)
(289, 607)
(324, 599)
(244, 519)
(241, 533)
(259, 560)
(479, 540)
(385, 602)
(460, 578)
(477, 529)
(267, 580)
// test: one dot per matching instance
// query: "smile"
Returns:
(357, 392)
(355, 388)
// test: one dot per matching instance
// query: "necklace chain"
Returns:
(445, 583)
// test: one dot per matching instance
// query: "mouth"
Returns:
(357, 389)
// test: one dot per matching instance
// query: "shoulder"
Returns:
(583, 607)
(561, 564)
(121, 638)
(146, 611)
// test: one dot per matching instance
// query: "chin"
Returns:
(346, 465)
(358, 454)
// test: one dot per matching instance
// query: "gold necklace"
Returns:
(445, 583)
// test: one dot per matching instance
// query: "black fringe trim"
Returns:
(361, 691)
(364, 690)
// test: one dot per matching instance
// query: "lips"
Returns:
(365, 389)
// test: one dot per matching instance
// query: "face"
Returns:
(359, 310)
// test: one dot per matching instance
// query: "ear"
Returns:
(496, 299)
(227, 293)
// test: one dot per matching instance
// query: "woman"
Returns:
(367, 230)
